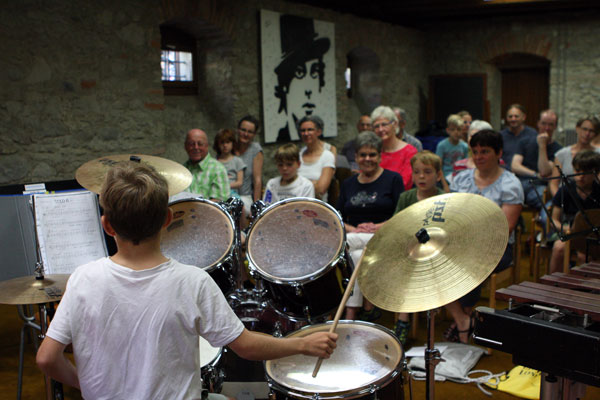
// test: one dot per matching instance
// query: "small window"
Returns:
(178, 62)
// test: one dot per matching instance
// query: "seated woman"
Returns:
(467, 163)
(366, 201)
(317, 164)
(490, 180)
(587, 129)
(396, 153)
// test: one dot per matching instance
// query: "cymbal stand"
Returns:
(432, 356)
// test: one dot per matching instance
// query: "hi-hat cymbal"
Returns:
(468, 236)
(28, 290)
(91, 174)
(581, 225)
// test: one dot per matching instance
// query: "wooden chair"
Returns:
(511, 274)
(537, 228)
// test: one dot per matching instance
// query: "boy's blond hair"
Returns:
(287, 152)
(427, 158)
(135, 199)
(455, 120)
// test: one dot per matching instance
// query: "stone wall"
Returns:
(566, 40)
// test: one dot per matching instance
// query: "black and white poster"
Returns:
(298, 74)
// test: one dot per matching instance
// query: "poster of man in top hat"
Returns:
(298, 74)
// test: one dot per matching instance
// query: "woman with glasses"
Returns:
(366, 201)
(317, 164)
(396, 152)
(587, 130)
(252, 155)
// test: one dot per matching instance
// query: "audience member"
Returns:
(426, 173)
(402, 134)
(396, 153)
(209, 177)
(534, 158)
(252, 155)
(467, 163)
(134, 318)
(587, 129)
(467, 119)
(503, 188)
(366, 201)
(223, 146)
(316, 162)
(349, 149)
(515, 132)
(453, 148)
(288, 184)
(583, 189)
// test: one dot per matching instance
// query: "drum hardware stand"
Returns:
(235, 207)
(432, 356)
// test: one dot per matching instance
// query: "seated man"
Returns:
(349, 149)
(134, 318)
(210, 178)
(534, 158)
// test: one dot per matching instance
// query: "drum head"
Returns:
(200, 234)
(366, 354)
(295, 240)
(208, 354)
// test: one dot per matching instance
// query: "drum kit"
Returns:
(426, 256)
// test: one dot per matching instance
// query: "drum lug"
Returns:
(374, 389)
(277, 330)
(345, 283)
(315, 396)
(307, 312)
(299, 291)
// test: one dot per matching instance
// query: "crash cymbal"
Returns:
(467, 238)
(582, 230)
(28, 290)
(91, 174)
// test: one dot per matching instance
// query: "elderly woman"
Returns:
(366, 201)
(396, 153)
(252, 155)
(587, 130)
(317, 164)
(490, 180)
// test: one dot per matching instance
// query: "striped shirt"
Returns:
(209, 179)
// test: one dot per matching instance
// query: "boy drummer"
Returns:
(134, 318)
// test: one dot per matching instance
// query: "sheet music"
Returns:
(69, 230)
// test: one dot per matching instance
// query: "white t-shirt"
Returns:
(312, 171)
(135, 333)
(300, 187)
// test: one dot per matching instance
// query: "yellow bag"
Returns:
(520, 381)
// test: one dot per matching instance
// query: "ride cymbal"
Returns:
(91, 174)
(582, 226)
(467, 238)
(28, 290)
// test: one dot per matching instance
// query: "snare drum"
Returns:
(202, 234)
(212, 375)
(297, 247)
(367, 358)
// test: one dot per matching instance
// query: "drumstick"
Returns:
(340, 309)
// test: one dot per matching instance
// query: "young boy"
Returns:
(564, 208)
(134, 318)
(452, 148)
(426, 173)
(289, 183)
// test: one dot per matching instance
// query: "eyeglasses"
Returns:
(365, 155)
(309, 130)
(193, 144)
(382, 125)
(243, 130)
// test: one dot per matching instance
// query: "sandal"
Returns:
(451, 333)
(469, 331)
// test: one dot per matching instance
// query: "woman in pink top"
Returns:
(396, 153)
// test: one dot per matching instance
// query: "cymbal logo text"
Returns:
(435, 213)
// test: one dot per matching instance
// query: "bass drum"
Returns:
(202, 234)
(367, 358)
(297, 247)
(210, 358)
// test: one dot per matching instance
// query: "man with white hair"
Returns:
(402, 134)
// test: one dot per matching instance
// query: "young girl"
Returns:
(234, 165)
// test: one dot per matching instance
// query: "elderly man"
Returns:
(516, 132)
(209, 176)
(349, 149)
(403, 135)
(534, 157)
